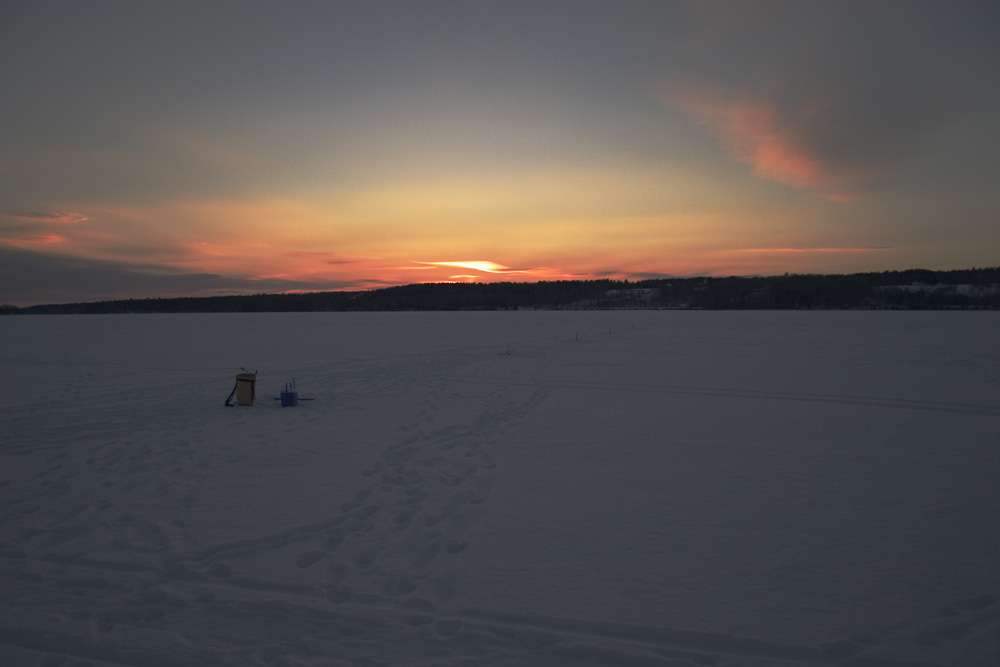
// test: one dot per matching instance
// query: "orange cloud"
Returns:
(807, 250)
(58, 217)
(754, 134)
(34, 241)
(767, 138)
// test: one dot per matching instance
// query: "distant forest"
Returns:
(908, 290)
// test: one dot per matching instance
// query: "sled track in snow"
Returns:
(358, 629)
(872, 401)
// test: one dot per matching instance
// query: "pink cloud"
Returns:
(768, 138)
(34, 241)
(322, 256)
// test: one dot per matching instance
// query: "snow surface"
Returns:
(622, 488)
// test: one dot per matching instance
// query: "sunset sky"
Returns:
(199, 148)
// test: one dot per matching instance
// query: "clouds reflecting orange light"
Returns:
(809, 250)
(753, 132)
(58, 217)
(46, 240)
(772, 139)
(559, 225)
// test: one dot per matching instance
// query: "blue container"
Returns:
(289, 399)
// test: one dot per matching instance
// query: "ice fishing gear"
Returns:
(290, 396)
(244, 388)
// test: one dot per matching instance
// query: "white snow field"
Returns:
(697, 489)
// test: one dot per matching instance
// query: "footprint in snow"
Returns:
(220, 570)
(373, 470)
(446, 628)
(366, 559)
(339, 594)
(402, 585)
(309, 558)
(402, 518)
(337, 572)
(471, 497)
(418, 604)
(453, 547)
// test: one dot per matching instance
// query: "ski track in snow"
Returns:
(145, 524)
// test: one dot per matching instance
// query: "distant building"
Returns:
(633, 297)
(939, 288)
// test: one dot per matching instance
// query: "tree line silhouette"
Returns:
(912, 289)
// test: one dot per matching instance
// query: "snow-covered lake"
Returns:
(522, 488)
